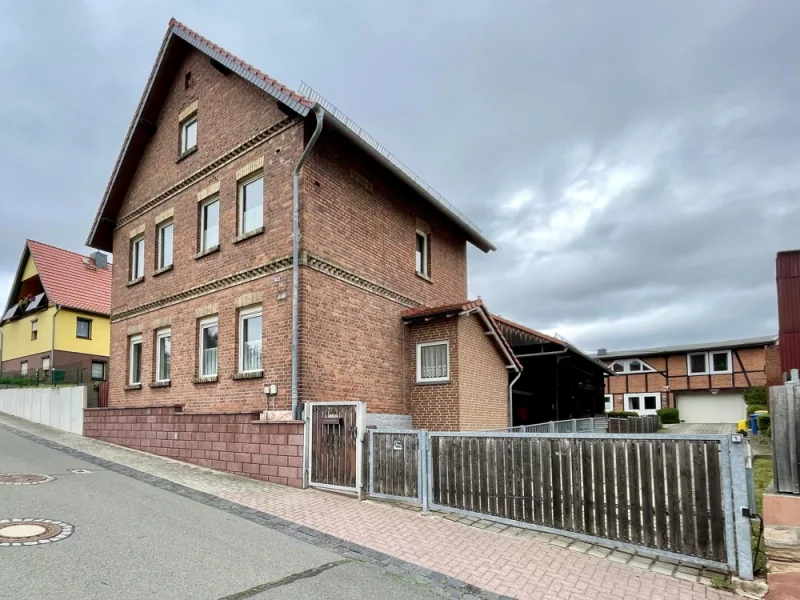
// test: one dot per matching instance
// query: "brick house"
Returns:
(706, 382)
(269, 254)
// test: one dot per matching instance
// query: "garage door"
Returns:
(711, 408)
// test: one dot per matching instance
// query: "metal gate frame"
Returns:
(734, 497)
(422, 467)
(361, 417)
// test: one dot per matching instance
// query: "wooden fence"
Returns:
(660, 493)
(396, 463)
(784, 406)
(646, 424)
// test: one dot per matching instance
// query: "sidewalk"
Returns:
(518, 566)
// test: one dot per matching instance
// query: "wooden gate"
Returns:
(397, 465)
(335, 442)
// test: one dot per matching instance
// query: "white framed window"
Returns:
(46, 364)
(34, 329)
(433, 362)
(208, 346)
(135, 360)
(631, 366)
(422, 253)
(609, 402)
(165, 232)
(23, 368)
(720, 361)
(251, 204)
(644, 404)
(250, 339)
(714, 362)
(209, 224)
(163, 354)
(98, 370)
(189, 134)
(137, 258)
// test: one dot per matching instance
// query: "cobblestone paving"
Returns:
(508, 562)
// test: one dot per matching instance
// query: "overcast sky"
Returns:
(636, 163)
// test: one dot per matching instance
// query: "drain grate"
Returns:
(23, 478)
(32, 532)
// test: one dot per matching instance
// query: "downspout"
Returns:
(319, 114)
(511, 399)
(53, 342)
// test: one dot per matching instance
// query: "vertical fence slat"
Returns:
(547, 484)
(555, 465)
(635, 490)
(660, 494)
(599, 493)
(687, 504)
(537, 479)
(527, 480)
(622, 490)
(715, 501)
(483, 486)
(701, 498)
(577, 487)
(458, 449)
(502, 478)
(646, 460)
(436, 472)
(588, 498)
(566, 482)
(519, 481)
(474, 475)
(610, 483)
(494, 499)
(673, 499)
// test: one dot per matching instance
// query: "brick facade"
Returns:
(234, 442)
(749, 369)
(476, 396)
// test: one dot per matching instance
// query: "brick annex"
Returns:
(199, 213)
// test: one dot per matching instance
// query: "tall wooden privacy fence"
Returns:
(647, 492)
(784, 405)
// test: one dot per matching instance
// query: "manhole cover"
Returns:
(23, 478)
(31, 532)
(79, 471)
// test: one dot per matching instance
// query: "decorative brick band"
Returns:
(342, 274)
(210, 189)
(212, 167)
(138, 231)
(250, 168)
(188, 111)
(270, 268)
(163, 216)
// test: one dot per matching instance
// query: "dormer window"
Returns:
(631, 366)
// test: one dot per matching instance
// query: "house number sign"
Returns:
(398, 445)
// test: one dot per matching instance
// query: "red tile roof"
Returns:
(544, 336)
(71, 280)
(428, 311)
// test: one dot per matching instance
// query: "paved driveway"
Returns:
(713, 428)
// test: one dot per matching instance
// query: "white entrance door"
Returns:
(705, 407)
(644, 404)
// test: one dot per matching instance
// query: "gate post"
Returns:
(744, 552)
(361, 429)
(424, 481)
(306, 443)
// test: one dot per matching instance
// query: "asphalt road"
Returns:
(132, 540)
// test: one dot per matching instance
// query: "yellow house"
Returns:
(56, 322)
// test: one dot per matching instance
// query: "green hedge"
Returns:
(756, 395)
(669, 415)
(764, 424)
(621, 414)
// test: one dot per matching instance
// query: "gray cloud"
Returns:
(636, 162)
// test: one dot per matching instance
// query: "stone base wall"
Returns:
(234, 442)
(782, 544)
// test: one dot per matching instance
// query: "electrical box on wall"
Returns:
(271, 389)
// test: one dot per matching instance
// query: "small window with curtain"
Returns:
(165, 245)
(250, 335)
(98, 370)
(208, 347)
(34, 329)
(433, 362)
(163, 354)
(135, 360)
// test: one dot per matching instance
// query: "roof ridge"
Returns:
(28, 241)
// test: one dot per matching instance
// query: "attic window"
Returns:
(187, 80)
(628, 366)
(189, 134)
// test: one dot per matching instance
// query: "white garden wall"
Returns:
(58, 407)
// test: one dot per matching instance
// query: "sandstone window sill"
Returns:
(439, 382)
(205, 253)
(209, 379)
(425, 277)
(249, 375)
(248, 235)
(162, 270)
(186, 154)
(133, 386)
(133, 282)
(159, 384)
